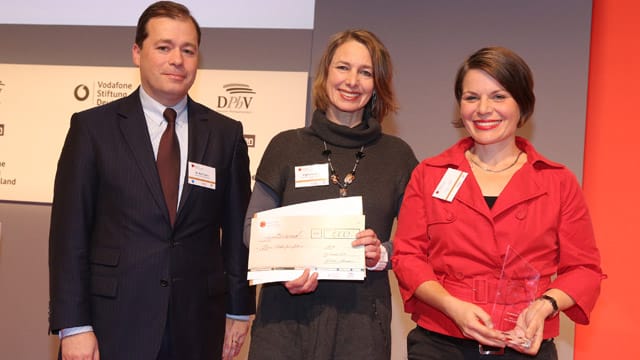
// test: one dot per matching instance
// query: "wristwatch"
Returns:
(553, 302)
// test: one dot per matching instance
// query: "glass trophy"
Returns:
(516, 289)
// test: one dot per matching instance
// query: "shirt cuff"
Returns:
(382, 263)
(74, 331)
(239, 317)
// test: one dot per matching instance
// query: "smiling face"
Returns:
(349, 84)
(489, 113)
(168, 59)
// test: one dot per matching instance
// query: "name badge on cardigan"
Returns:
(312, 175)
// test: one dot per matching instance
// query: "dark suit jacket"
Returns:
(115, 261)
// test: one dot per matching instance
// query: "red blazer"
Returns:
(541, 213)
(115, 261)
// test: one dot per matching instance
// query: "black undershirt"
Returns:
(490, 200)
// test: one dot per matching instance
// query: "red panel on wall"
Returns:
(611, 178)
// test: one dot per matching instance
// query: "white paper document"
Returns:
(315, 235)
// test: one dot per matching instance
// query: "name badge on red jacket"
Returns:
(449, 184)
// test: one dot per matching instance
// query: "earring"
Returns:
(374, 98)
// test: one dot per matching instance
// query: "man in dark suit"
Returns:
(140, 268)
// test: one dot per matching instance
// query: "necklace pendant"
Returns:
(334, 179)
(348, 179)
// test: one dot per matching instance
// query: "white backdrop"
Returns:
(265, 14)
(36, 102)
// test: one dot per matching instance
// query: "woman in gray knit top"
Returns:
(310, 319)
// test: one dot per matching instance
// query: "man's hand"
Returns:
(82, 346)
(235, 334)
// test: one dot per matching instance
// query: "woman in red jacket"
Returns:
(493, 239)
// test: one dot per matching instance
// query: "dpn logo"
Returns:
(237, 98)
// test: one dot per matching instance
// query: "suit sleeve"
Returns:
(71, 225)
(241, 296)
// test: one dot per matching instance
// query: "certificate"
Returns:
(315, 235)
(350, 205)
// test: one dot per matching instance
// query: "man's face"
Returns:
(168, 59)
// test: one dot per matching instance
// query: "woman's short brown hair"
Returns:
(384, 101)
(509, 69)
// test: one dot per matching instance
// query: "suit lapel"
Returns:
(134, 130)
(198, 142)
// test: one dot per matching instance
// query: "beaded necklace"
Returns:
(350, 177)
